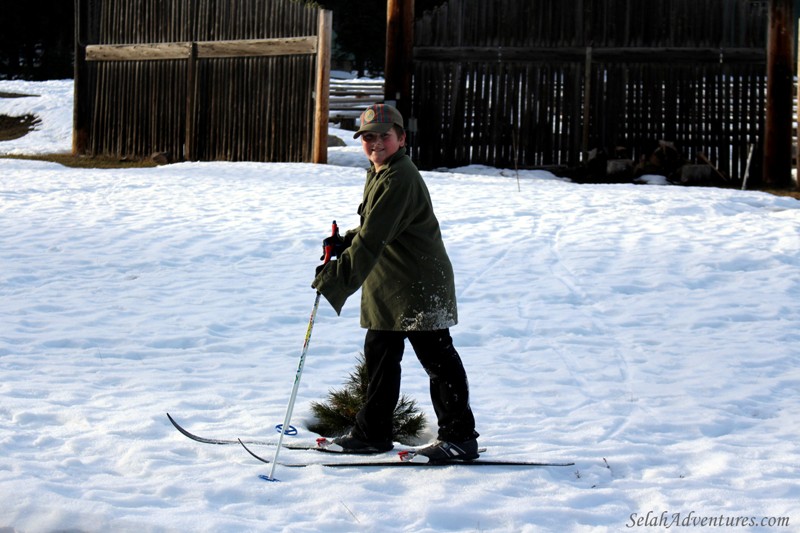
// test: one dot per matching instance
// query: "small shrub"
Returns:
(336, 416)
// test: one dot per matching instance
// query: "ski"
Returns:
(320, 445)
(328, 446)
(400, 462)
(205, 440)
(385, 463)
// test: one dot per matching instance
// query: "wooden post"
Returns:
(79, 113)
(399, 51)
(322, 90)
(778, 130)
(191, 70)
(587, 104)
(588, 41)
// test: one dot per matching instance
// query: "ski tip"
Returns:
(270, 479)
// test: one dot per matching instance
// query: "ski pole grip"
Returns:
(329, 247)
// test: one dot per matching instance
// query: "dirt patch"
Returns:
(69, 160)
(15, 127)
(793, 193)
(16, 95)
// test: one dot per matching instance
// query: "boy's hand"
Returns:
(336, 244)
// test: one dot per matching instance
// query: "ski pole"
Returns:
(287, 418)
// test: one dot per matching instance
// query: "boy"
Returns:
(399, 260)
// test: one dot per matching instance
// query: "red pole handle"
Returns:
(329, 247)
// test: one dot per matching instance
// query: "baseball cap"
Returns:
(379, 118)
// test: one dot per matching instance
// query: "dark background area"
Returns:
(360, 32)
(36, 39)
(36, 36)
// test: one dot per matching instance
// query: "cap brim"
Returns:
(375, 127)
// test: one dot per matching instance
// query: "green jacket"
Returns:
(397, 256)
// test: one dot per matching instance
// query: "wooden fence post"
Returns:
(399, 51)
(79, 113)
(191, 68)
(778, 129)
(587, 105)
(588, 41)
(322, 103)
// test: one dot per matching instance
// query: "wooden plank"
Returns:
(205, 49)
(577, 53)
(355, 100)
(355, 86)
(137, 52)
(257, 47)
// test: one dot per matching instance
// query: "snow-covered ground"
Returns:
(650, 334)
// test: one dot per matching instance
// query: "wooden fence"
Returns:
(539, 83)
(202, 79)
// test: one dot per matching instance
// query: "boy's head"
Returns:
(379, 118)
(382, 133)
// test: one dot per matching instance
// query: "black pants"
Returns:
(383, 352)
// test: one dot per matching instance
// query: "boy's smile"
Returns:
(379, 147)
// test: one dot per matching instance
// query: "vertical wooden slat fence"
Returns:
(539, 83)
(201, 79)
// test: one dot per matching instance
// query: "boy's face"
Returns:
(379, 147)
